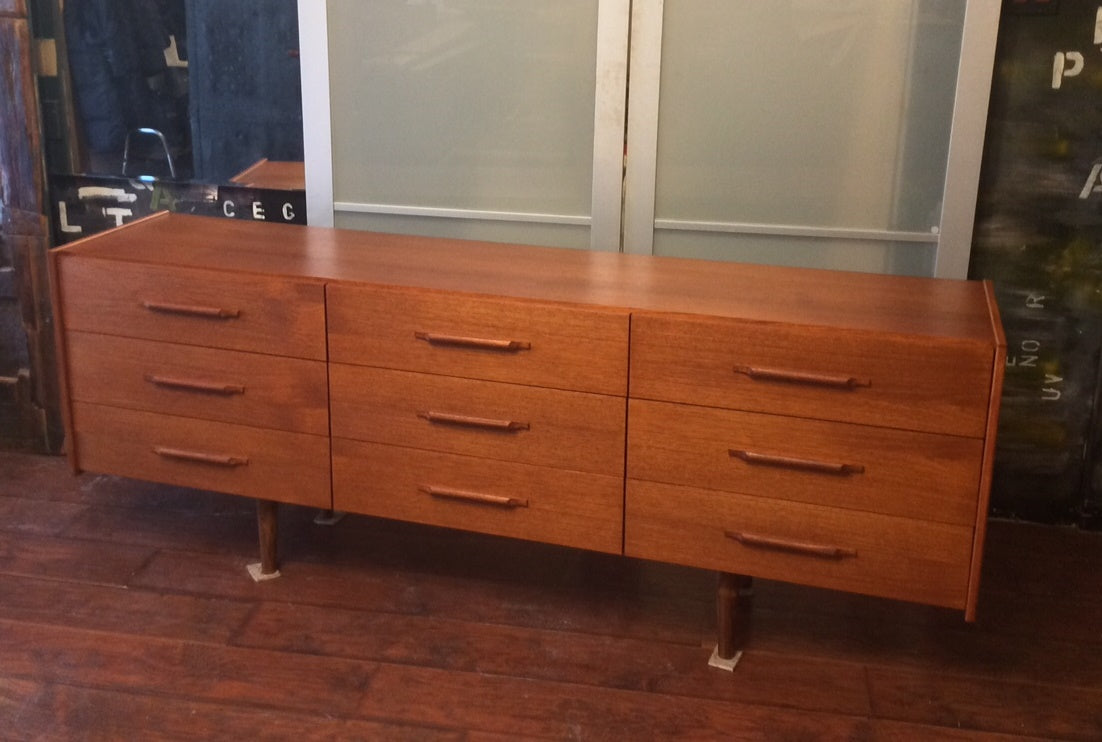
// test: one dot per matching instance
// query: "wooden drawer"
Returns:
(240, 460)
(913, 383)
(545, 345)
(813, 545)
(545, 427)
(193, 306)
(505, 499)
(230, 386)
(918, 475)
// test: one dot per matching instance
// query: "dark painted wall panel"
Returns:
(1039, 237)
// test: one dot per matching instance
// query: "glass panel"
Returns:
(866, 256)
(822, 113)
(464, 104)
(522, 233)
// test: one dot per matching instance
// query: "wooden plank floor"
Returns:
(126, 614)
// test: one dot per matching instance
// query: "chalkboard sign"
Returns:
(1039, 237)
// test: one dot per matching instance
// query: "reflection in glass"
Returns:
(184, 89)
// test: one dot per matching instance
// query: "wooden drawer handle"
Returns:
(191, 310)
(787, 462)
(478, 498)
(192, 385)
(199, 457)
(466, 421)
(796, 547)
(507, 346)
(802, 377)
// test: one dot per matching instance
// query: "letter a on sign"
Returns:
(1092, 185)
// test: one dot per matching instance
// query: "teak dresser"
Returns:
(825, 428)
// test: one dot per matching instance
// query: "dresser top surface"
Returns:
(860, 301)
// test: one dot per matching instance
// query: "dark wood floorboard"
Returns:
(225, 532)
(558, 710)
(486, 600)
(585, 659)
(893, 731)
(937, 699)
(975, 650)
(121, 610)
(49, 557)
(66, 712)
(126, 613)
(16, 696)
(198, 670)
(42, 517)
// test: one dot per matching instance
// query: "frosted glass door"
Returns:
(474, 118)
(831, 133)
(801, 132)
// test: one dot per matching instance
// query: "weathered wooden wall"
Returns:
(28, 387)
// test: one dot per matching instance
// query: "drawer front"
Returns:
(230, 386)
(545, 427)
(910, 383)
(848, 550)
(195, 307)
(506, 499)
(240, 460)
(880, 470)
(480, 338)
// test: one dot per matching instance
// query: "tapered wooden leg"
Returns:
(732, 615)
(267, 521)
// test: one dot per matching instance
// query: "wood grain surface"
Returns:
(241, 460)
(195, 307)
(553, 505)
(916, 475)
(567, 430)
(879, 555)
(937, 386)
(213, 384)
(555, 346)
(119, 619)
(889, 304)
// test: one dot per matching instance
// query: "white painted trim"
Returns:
(445, 213)
(317, 131)
(609, 114)
(962, 173)
(795, 230)
(643, 97)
